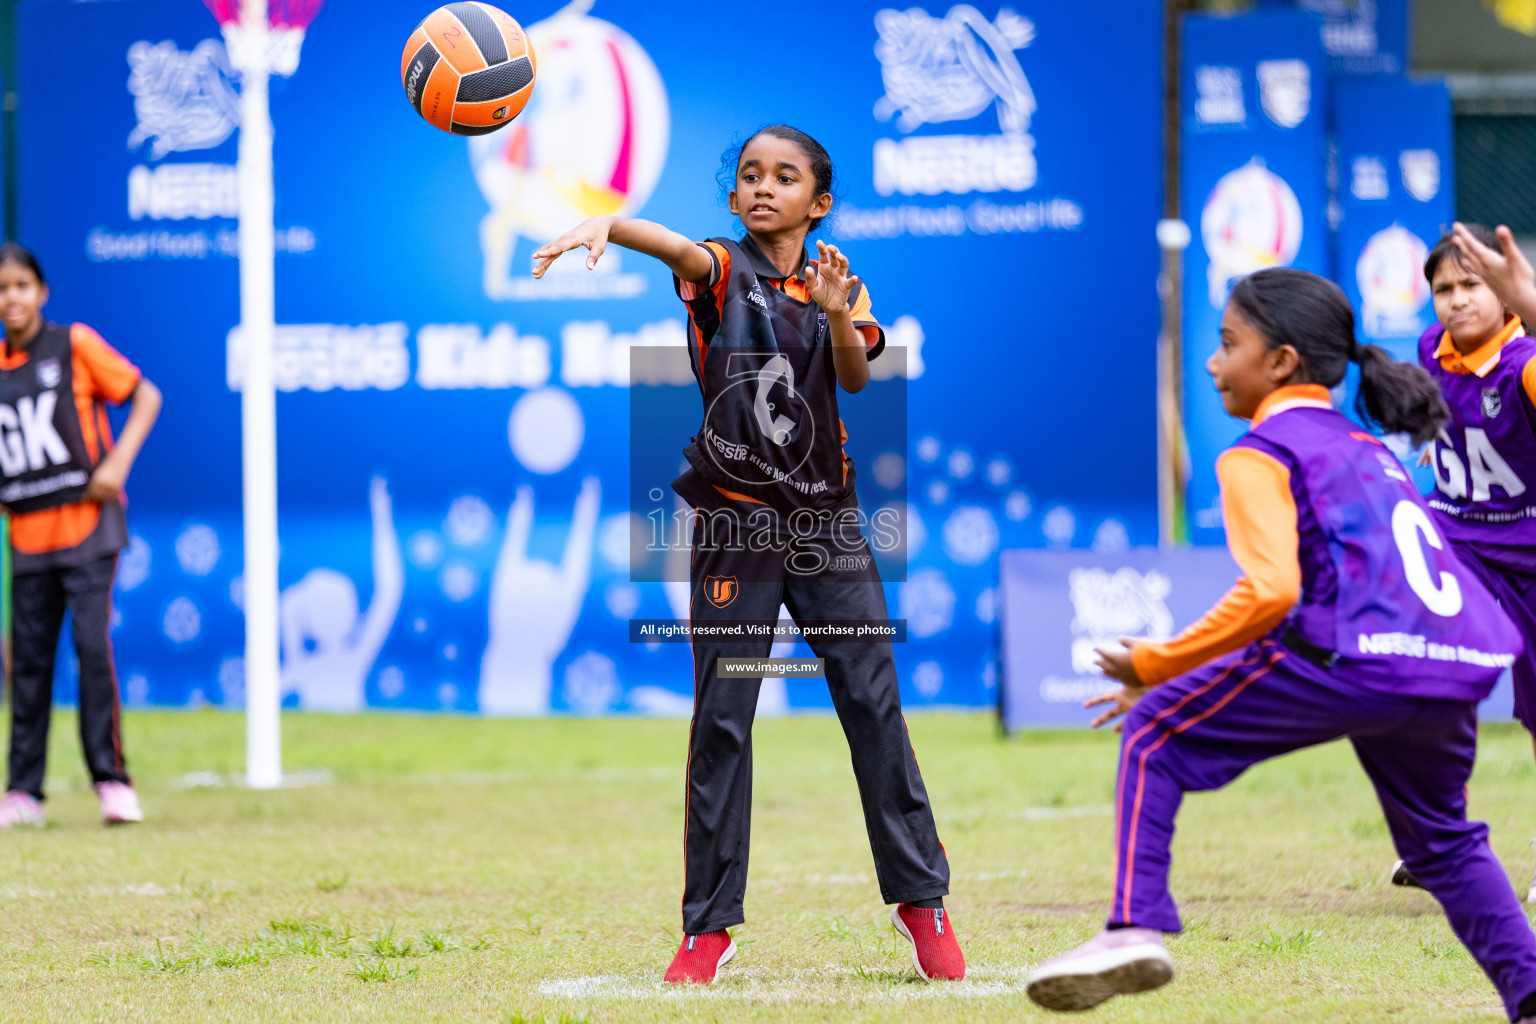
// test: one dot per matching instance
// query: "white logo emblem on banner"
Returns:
(1285, 91)
(183, 101)
(1251, 221)
(952, 68)
(592, 141)
(1392, 285)
(1421, 173)
(1108, 605)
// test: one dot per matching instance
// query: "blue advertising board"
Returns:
(454, 436)
(1059, 606)
(1253, 97)
(1396, 195)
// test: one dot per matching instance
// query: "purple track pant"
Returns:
(1515, 588)
(1202, 730)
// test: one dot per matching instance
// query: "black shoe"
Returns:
(1402, 876)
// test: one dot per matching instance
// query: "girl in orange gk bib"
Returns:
(772, 335)
(61, 479)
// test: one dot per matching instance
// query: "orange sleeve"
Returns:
(112, 377)
(691, 290)
(1260, 516)
(863, 315)
(1528, 379)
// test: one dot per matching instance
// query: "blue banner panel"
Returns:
(1058, 606)
(1254, 102)
(1396, 195)
(453, 435)
(1364, 37)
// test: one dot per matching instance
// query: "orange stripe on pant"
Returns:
(1128, 873)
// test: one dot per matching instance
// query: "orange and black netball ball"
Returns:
(468, 68)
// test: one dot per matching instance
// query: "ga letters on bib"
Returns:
(1485, 458)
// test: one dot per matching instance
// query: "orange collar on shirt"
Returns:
(1480, 361)
(1313, 396)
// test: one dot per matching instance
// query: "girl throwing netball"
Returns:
(1353, 618)
(772, 334)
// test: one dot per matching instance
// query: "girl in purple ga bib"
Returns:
(1484, 459)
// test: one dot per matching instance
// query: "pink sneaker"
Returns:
(119, 803)
(20, 808)
(1112, 963)
(935, 952)
(700, 957)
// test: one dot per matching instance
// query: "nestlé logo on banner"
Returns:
(184, 101)
(954, 68)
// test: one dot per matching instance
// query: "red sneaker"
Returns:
(699, 957)
(935, 953)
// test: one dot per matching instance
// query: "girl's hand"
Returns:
(106, 482)
(1123, 700)
(592, 233)
(1507, 272)
(828, 279)
(1116, 664)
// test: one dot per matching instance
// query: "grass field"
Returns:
(457, 869)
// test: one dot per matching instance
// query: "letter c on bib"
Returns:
(1409, 522)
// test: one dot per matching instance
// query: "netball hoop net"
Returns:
(263, 38)
(277, 41)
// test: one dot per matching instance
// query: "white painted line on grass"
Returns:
(796, 987)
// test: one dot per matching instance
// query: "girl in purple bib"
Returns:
(1485, 458)
(1353, 618)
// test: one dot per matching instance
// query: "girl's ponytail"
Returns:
(1398, 397)
(1309, 313)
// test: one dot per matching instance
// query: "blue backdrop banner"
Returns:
(1396, 194)
(453, 449)
(1254, 105)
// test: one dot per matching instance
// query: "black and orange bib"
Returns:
(771, 429)
(43, 458)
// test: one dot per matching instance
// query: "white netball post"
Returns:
(261, 41)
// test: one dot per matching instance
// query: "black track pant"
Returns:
(38, 601)
(910, 863)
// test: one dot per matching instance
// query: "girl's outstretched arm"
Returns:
(680, 253)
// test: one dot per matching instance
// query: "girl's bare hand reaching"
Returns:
(828, 279)
(1116, 664)
(592, 233)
